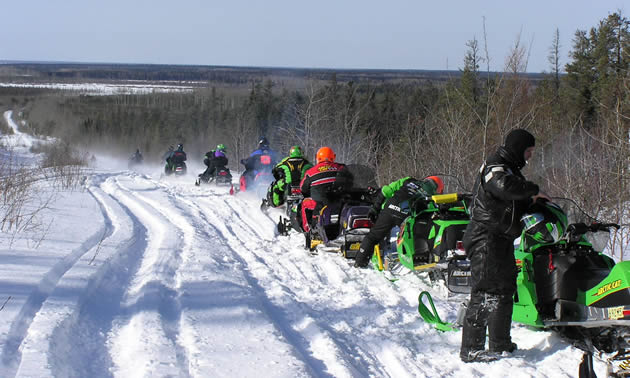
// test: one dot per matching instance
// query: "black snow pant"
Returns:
(207, 174)
(386, 220)
(493, 269)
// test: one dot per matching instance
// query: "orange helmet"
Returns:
(438, 182)
(325, 154)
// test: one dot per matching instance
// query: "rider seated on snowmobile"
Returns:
(323, 185)
(137, 157)
(391, 206)
(260, 160)
(175, 158)
(214, 160)
(168, 153)
(288, 173)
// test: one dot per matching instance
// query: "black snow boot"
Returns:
(480, 355)
(362, 259)
(499, 325)
(510, 348)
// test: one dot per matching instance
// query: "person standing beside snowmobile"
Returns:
(322, 185)
(501, 195)
(213, 159)
(260, 160)
(289, 172)
(396, 201)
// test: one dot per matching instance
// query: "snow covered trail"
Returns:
(151, 277)
(18, 139)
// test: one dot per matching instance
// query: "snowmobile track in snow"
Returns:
(308, 330)
(11, 353)
(83, 331)
(161, 295)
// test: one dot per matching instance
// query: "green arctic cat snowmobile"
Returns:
(431, 240)
(566, 283)
(563, 278)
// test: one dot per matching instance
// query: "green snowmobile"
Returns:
(565, 281)
(431, 240)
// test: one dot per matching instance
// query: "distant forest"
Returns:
(217, 75)
(400, 123)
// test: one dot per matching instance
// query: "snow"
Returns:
(103, 89)
(135, 276)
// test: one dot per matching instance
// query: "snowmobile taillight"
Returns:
(361, 223)
(459, 245)
(223, 173)
(551, 266)
(296, 191)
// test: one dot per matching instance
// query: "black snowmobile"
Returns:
(177, 169)
(343, 224)
(135, 160)
(220, 177)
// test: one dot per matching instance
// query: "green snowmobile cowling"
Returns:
(567, 284)
(563, 281)
(431, 240)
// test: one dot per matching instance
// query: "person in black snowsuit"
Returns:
(214, 160)
(174, 158)
(501, 195)
(137, 157)
(396, 200)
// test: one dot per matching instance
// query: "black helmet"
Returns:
(180, 147)
(263, 142)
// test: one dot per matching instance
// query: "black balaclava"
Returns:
(516, 142)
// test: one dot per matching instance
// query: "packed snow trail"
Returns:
(162, 278)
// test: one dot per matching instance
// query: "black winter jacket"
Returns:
(501, 195)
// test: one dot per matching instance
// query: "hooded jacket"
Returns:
(501, 193)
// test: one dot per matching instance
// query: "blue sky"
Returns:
(392, 34)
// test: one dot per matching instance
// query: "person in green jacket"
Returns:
(391, 206)
(288, 173)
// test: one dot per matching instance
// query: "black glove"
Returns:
(378, 200)
(373, 214)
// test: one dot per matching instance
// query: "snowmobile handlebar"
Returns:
(450, 197)
(605, 226)
(577, 229)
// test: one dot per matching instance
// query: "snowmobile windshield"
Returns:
(531, 220)
(363, 176)
(576, 214)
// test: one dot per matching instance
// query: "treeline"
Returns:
(410, 127)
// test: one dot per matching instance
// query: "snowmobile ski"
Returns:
(431, 316)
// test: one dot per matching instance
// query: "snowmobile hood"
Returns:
(614, 290)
